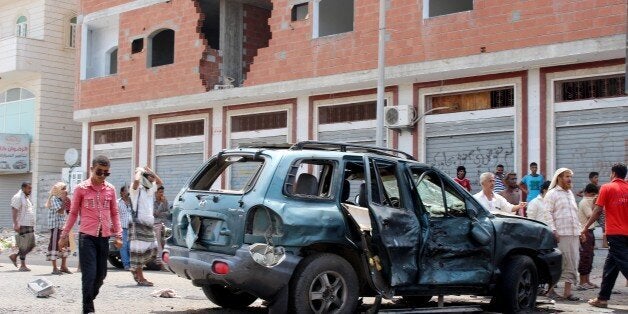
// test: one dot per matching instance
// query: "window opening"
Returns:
(21, 26)
(310, 178)
(211, 22)
(443, 7)
(347, 112)
(384, 184)
(430, 189)
(113, 61)
(590, 88)
(335, 17)
(137, 45)
(261, 121)
(299, 12)
(477, 100)
(179, 129)
(72, 33)
(162, 48)
(113, 136)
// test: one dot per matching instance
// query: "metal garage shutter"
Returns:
(121, 173)
(591, 140)
(175, 170)
(10, 185)
(243, 170)
(479, 145)
(357, 136)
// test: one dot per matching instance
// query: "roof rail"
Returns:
(265, 145)
(343, 148)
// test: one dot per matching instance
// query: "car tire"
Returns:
(518, 285)
(416, 300)
(115, 260)
(330, 279)
(227, 298)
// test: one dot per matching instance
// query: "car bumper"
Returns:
(244, 273)
(554, 261)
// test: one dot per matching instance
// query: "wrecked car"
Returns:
(313, 227)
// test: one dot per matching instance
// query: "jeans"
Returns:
(125, 254)
(616, 261)
(93, 254)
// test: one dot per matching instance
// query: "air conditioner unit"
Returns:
(397, 117)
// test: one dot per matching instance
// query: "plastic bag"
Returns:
(192, 234)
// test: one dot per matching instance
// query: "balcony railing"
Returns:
(20, 54)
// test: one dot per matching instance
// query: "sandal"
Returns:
(67, 271)
(57, 272)
(24, 268)
(598, 303)
(135, 276)
(145, 283)
(570, 298)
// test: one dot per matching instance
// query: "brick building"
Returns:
(37, 66)
(474, 83)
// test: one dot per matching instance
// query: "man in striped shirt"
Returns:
(499, 179)
(561, 203)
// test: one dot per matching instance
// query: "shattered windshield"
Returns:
(233, 174)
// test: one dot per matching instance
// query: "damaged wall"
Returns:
(195, 67)
(494, 25)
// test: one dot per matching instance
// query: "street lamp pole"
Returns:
(379, 131)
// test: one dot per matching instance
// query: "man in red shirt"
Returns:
(461, 173)
(613, 199)
(95, 201)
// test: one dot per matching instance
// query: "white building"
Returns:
(37, 79)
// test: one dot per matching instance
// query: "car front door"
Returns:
(459, 243)
(395, 224)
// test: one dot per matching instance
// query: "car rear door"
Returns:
(395, 225)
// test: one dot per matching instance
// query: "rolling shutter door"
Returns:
(356, 136)
(591, 140)
(10, 185)
(121, 167)
(479, 145)
(245, 170)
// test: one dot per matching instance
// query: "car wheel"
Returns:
(416, 300)
(115, 260)
(518, 285)
(152, 265)
(324, 283)
(227, 298)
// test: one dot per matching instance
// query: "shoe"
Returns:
(13, 258)
(582, 287)
(57, 272)
(24, 268)
(553, 295)
(598, 303)
(65, 270)
(135, 276)
(145, 283)
(570, 298)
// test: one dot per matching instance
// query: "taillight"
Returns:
(165, 257)
(220, 268)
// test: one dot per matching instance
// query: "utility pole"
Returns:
(379, 131)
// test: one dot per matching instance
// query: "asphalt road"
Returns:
(120, 294)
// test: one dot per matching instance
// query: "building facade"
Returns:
(473, 83)
(37, 82)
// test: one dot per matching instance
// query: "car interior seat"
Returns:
(307, 184)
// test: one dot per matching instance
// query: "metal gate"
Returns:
(9, 186)
(175, 170)
(591, 140)
(479, 145)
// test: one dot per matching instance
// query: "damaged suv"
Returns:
(313, 227)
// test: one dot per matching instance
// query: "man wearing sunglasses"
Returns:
(95, 201)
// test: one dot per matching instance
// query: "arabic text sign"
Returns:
(14, 153)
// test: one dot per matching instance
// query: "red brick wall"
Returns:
(256, 32)
(190, 73)
(293, 54)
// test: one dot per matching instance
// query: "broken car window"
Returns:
(311, 178)
(233, 174)
(430, 188)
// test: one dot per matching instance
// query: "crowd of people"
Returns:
(135, 221)
(554, 203)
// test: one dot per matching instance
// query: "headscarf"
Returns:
(56, 190)
(556, 175)
(139, 174)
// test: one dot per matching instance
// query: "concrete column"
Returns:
(405, 136)
(303, 118)
(216, 132)
(142, 138)
(231, 33)
(534, 118)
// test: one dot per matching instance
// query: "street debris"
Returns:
(41, 287)
(165, 293)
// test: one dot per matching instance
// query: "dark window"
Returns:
(442, 7)
(113, 61)
(162, 48)
(180, 129)
(261, 121)
(350, 112)
(591, 88)
(335, 17)
(488, 99)
(113, 136)
(299, 12)
(137, 45)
